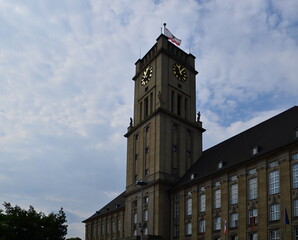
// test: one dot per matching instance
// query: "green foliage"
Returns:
(17, 223)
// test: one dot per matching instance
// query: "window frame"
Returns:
(252, 188)
(295, 175)
(188, 228)
(188, 208)
(252, 213)
(234, 220)
(217, 223)
(202, 202)
(274, 182)
(217, 198)
(234, 193)
(274, 212)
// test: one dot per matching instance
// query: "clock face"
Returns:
(179, 72)
(147, 74)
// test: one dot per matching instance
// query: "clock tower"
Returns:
(164, 138)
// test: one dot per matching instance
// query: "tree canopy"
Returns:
(17, 223)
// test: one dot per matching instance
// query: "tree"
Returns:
(17, 223)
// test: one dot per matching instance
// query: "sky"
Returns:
(66, 89)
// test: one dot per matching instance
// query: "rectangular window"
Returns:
(145, 230)
(202, 226)
(252, 188)
(296, 234)
(188, 229)
(188, 206)
(146, 107)
(253, 236)
(145, 215)
(141, 111)
(202, 206)
(295, 208)
(118, 225)
(217, 223)
(233, 178)
(274, 235)
(151, 103)
(234, 220)
(295, 175)
(274, 212)
(273, 164)
(234, 194)
(179, 100)
(113, 226)
(217, 198)
(252, 171)
(186, 108)
(135, 218)
(172, 101)
(176, 209)
(274, 182)
(294, 156)
(253, 216)
(176, 231)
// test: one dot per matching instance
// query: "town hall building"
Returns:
(245, 187)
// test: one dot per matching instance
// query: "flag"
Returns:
(286, 217)
(225, 227)
(171, 37)
(252, 223)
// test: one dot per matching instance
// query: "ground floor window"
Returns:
(274, 235)
(296, 233)
(253, 236)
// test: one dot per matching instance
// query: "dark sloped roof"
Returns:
(116, 204)
(270, 135)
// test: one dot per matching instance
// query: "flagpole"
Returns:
(164, 26)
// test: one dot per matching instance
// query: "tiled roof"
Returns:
(268, 136)
(116, 204)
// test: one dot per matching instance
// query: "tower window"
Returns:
(147, 150)
(172, 101)
(146, 107)
(175, 148)
(179, 99)
(141, 111)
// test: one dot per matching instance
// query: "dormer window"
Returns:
(219, 164)
(192, 176)
(255, 150)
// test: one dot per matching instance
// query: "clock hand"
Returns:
(181, 70)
